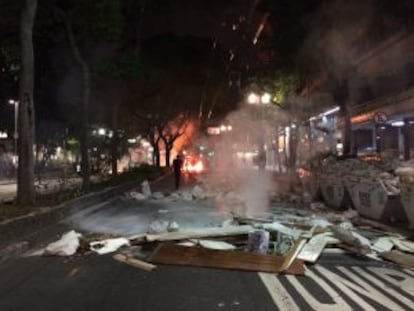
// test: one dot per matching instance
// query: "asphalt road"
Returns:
(93, 282)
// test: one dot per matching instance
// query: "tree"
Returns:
(174, 129)
(106, 24)
(25, 180)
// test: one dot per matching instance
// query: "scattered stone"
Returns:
(173, 227)
(146, 189)
(158, 196)
(198, 193)
(158, 226)
(317, 206)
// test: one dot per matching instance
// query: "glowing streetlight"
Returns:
(253, 98)
(223, 128)
(101, 131)
(265, 99)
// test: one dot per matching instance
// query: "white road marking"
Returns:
(353, 286)
(282, 299)
(339, 304)
(385, 287)
(407, 283)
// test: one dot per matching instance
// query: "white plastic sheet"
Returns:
(66, 246)
(108, 246)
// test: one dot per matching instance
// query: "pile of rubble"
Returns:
(284, 241)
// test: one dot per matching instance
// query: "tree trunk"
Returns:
(26, 121)
(83, 137)
(115, 140)
(168, 148)
(347, 128)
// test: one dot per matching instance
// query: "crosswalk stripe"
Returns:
(404, 300)
(316, 305)
(374, 283)
(282, 299)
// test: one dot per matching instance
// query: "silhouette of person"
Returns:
(177, 165)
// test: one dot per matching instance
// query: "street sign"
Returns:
(380, 118)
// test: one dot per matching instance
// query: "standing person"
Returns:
(177, 165)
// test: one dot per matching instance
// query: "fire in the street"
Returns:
(197, 167)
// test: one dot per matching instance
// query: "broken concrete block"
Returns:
(258, 241)
(198, 193)
(403, 245)
(349, 238)
(158, 196)
(275, 226)
(317, 206)
(137, 196)
(145, 188)
(66, 246)
(383, 244)
(158, 226)
(186, 196)
(173, 226)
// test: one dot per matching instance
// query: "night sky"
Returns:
(246, 31)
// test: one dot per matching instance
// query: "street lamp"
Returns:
(15, 103)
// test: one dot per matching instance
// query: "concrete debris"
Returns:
(294, 233)
(317, 206)
(342, 217)
(158, 196)
(258, 241)
(145, 188)
(198, 193)
(158, 226)
(137, 196)
(228, 222)
(403, 245)
(108, 245)
(173, 226)
(314, 248)
(383, 244)
(319, 222)
(66, 246)
(186, 196)
(283, 245)
(351, 238)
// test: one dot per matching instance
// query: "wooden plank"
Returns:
(403, 259)
(134, 262)
(292, 254)
(170, 254)
(203, 233)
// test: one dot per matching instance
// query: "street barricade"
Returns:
(407, 193)
(371, 197)
(333, 189)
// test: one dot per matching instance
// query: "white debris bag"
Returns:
(145, 188)
(66, 246)
(108, 246)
